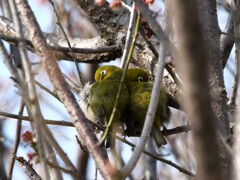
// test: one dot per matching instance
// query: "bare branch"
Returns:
(129, 36)
(17, 140)
(81, 48)
(46, 121)
(63, 91)
(176, 130)
(28, 169)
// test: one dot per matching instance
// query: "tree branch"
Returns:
(17, 140)
(126, 170)
(28, 169)
(194, 64)
(60, 86)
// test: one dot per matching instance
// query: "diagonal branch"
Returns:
(60, 86)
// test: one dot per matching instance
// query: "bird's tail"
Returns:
(158, 136)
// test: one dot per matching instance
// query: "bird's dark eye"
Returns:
(103, 72)
(140, 79)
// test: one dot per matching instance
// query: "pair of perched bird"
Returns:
(97, 101)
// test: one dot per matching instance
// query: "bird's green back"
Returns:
(139, 99)
(140, 91)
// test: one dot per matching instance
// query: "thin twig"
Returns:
(68, 42)
(183, 170)
(126, 170)
(129, 36)
(68, 171)
(47, 90)
(46, 121)
(28, 169)
(17, 140)
(81, 145)
(13, 71)
(72, 84)
(235, 36)
(176, 130)
(60, 151)
(160, 34)
(154, 51)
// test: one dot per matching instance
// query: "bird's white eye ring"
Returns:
(140, 79)
(103, 72)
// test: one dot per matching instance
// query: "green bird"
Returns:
(139, 99)
(103, 93)
(133, 102)
(133, 75)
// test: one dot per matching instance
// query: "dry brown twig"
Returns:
(28, 169)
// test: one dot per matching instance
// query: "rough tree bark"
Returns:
(211, 33)
(194, 64)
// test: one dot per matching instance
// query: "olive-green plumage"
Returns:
(102, 94)
(139, 99)
(133, 102)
